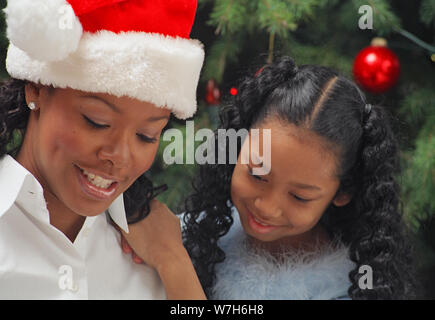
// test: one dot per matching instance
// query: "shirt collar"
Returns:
(17, 184)
(117, 213)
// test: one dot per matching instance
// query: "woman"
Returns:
(93, 85)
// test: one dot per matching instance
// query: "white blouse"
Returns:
(37, 261)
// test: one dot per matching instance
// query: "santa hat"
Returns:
(135, 48)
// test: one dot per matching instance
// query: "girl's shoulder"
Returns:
(252, 274)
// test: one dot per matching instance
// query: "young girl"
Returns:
(324, 223)
(93, 85)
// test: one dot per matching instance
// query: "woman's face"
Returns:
(289, 201)
(87, 148)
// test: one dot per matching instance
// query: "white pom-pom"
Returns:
(47, 30)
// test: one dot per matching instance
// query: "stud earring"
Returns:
(32, 106)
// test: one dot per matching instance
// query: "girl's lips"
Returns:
(259, 227)
(92, 190)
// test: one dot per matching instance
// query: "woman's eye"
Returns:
(95, 124)
(146, 139)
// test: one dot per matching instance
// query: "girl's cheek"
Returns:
(303, 219)
(240, 186)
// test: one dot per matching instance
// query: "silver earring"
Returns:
(32, 106)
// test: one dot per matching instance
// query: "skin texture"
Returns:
(60, 138)
(292, 197)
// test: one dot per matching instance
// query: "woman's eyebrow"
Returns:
(158, 118)
(110, 105)
(116, 109)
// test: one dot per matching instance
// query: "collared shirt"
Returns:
(37, 261)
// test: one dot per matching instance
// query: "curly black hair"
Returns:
(14, 115)
(333, 107)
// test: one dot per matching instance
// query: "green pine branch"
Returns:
(427, 12)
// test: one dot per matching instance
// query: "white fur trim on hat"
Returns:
(47, 30)
(149, 67)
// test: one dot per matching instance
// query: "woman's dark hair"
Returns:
(14, 115)
(319, 99)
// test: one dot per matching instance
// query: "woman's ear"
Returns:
(341, 199)
(32, 92)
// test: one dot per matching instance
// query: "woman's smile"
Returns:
(96, 186)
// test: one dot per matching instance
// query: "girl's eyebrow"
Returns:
(296, 184)
(305, 186)
(255, 159)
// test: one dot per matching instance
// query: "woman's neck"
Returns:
(62, 218)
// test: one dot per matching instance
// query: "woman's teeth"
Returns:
(97, 180)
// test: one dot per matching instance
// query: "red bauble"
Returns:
(376, 68)
(212, 93)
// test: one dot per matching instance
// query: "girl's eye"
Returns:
(299, 198)
(94, 124)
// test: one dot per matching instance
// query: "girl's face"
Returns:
(86, 148)
(288, 202)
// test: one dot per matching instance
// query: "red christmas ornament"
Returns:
(376, 68)
(233, 91)
(212, 93)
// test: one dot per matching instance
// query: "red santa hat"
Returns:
(135, 48)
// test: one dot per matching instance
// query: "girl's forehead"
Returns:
(294, 151)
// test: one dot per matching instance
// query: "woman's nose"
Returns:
(117, 151)
(268, 207)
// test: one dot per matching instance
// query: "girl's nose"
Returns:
(117, 151)
(268, 207)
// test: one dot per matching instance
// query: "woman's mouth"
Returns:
(258, 226)
(94, 185)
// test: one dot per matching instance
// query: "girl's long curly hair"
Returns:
(333, 107)
(14, 115)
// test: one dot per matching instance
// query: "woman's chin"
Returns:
(88, 208)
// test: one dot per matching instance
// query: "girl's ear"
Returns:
(341, 199)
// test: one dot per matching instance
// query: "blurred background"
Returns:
(242, 35)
